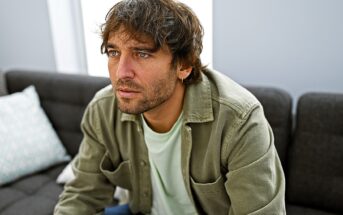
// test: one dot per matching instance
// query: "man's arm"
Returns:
(255, 181)
(90, 191)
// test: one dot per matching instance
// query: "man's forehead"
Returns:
(121, 36)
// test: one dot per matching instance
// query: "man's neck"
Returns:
(162, 118)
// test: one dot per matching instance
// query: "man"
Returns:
(181, 138)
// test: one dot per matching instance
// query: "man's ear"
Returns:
(184, 72)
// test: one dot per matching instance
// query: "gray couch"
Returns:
(311, 151)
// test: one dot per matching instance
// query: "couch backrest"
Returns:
(3, 87)
(315, 171)
(64, 98)
(277, 105)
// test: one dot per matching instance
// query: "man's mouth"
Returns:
(127, 93)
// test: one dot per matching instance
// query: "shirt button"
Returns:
(145, 194)
(143, 163)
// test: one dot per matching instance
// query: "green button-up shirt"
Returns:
(228, 158)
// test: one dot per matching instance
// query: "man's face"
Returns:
(142, 77)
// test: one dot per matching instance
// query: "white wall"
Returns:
(296, 45)
(25, 36)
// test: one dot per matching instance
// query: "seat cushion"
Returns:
(298, 210)
(33, 194)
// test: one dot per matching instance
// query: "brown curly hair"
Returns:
(166, 22)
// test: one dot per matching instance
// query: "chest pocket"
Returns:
(212, 196)
(118, 176)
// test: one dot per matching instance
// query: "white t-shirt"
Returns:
(169, 192)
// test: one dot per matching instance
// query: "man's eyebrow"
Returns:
(139, 47)
(145, 48)
(110, 45)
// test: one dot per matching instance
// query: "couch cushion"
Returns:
(298, 210)
(64, 98)
(33, 194)
(277, 105)
(315, 174)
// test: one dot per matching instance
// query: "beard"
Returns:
(150, 97)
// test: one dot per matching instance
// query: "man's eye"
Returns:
(113, 53)
(143, 54)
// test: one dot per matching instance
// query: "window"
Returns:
(67, 36)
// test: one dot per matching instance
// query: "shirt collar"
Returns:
(197, 105)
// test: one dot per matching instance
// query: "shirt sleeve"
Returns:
(255, 180)
(90, 191)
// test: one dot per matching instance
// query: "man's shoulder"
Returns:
(230, 94)
(104, 95)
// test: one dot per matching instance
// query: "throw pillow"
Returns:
(28, 142)
(66, 175)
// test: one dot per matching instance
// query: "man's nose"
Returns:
(125, 67)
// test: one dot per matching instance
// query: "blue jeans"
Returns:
(118, 210)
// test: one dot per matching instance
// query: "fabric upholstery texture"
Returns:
(3, 87)
(31, 195)
(64, 98)
(298, 210)
(315, 173)
(28, 143)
